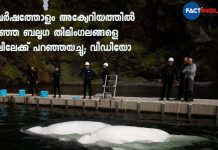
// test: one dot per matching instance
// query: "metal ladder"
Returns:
(112, 84)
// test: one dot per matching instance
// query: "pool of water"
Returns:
(15, 117)
(203, 92)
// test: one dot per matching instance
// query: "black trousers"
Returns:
(56, 87)
(181, 89)
(87, 84)
(33, 88)
(106, 89)
(167, 85)
(188, 89)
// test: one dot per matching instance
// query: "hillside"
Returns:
(160, 31)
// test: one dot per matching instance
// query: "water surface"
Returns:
(15, 117)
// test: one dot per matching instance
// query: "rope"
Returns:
(125, 106)
(178, 111)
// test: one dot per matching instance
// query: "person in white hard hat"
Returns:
(87, 74)
(105, 72)
(168, 75)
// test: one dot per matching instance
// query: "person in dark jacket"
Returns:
(87, 74)
(32, 78)
(168, 75)
(181, 78)
(56, 81)
(105, 73)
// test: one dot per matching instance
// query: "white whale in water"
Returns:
(66, 128)
(116, 137)
(125, 134)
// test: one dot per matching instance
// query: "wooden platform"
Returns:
(201, 107)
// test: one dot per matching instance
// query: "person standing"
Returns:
(105, 73)
(168, 75)
(56, 82)
(87, 74)
(189, 73)
(32, 78)
(181, 78)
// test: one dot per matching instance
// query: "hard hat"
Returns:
(170, 59)
(87, 63)
(105, 64)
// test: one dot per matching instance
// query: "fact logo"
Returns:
(192, 11)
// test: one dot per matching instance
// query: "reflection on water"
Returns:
(15, 117)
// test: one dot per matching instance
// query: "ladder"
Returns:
(110, 83)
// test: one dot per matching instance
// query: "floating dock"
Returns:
(201, 107)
